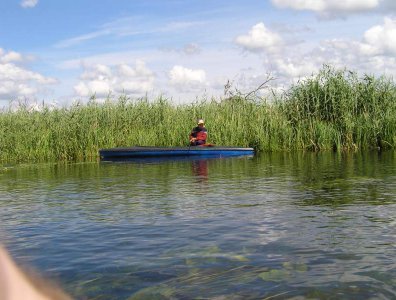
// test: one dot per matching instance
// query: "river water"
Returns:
(276, 226)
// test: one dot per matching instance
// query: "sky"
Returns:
(64, 51)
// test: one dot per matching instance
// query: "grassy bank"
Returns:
(333, 110)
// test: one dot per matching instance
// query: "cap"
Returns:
(200, 121)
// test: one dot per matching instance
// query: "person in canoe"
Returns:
(198, 134)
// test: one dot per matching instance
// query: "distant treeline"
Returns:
(332, 110)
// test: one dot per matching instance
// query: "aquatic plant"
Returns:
(337, 109)
(332, 110)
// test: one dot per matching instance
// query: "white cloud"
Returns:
(82, 38)
(259, 38)
(179, 26)
(140, 70)
(380, 39)
(13, 72)
(11, 56)
(191, 48)
(378, 43)
(328, 5)
(337, 8)
(128, 26)
(297, 67)
(17, 81)
(99, 71)
(187, 79)
(101, 80)
(119, 27)
(374, 54)
(100, 88)
(388, 5)
(29, 3)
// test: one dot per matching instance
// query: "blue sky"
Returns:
(62, 51)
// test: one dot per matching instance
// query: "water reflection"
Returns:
(200, 169)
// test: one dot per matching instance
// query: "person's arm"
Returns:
(18, 285)
(193, 135)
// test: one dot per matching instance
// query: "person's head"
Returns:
(201, 122)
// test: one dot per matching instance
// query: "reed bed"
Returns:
(338, 110)
(332, 110)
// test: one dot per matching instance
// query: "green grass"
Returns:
(332, 110)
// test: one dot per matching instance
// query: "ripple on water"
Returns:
(286, 225)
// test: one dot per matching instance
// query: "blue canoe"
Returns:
(193, 151)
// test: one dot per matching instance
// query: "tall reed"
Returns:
(334, 109)
(337, 109)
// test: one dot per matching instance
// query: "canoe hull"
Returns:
(193, 151)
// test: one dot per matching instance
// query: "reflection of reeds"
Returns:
(331, 110)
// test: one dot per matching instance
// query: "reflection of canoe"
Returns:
(194, 151)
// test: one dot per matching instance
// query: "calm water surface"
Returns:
(287, 226)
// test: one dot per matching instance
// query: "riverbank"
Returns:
(333, 110)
